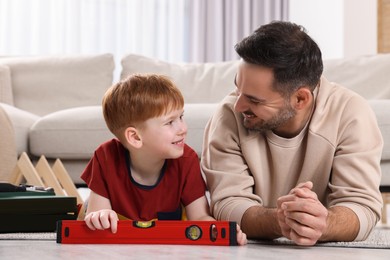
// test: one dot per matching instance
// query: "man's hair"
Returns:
(288, 50)
(137, 98)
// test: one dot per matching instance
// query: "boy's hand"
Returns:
(241, 237)
(102, 219)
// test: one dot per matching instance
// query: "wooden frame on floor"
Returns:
(43, 175)
(385, 191)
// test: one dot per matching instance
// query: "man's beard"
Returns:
(285, 114)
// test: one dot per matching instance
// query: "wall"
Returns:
(342, 28)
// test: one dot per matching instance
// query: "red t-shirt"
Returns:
(180, 183)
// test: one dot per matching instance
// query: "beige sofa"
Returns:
(54, 102)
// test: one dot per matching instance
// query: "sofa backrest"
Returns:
(210, 82)
(368, 75)
(5, 85)
(198, 82)
(42, 85)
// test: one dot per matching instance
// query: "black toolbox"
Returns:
(34, 211)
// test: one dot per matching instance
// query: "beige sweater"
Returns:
(339, 151)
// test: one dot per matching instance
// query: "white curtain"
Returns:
(39, 27)
(216, 26)
(172, 30)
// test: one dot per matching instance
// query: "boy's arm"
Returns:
(97, 202)
(199, 210)
(99, 213)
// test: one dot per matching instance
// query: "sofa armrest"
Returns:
(21, 121)
(8, 156)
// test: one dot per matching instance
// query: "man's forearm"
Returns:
(260, 223)
(342, 225)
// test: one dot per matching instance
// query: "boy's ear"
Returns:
(133, 137)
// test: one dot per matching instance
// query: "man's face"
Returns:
(262, 108)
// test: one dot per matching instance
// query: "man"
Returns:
(289, 153)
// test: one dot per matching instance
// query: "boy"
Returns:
(148, 172)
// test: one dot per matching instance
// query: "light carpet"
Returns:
(379, 238)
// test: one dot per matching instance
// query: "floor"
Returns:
(25, 249)
(49, 249)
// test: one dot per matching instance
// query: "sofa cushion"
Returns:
(42, 85)
(76, 133)
(21, 121)
(5, 85)
(199, 82)
(69, 134)
(366, 75)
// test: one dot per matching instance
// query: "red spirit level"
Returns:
(221, 233)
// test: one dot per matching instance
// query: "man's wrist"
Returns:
(342, 224)
(261, 223)
(326, 234)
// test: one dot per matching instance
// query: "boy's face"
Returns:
(164, 136)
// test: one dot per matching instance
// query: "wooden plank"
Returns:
(29, 172)
(48, 176)
(65, 180)
(386, 201)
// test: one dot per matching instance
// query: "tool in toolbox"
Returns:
(9, 187)
(221, 233)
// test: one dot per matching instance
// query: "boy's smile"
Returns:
(179, 143)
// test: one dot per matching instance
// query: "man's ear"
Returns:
(133, 137)
(302, 98)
